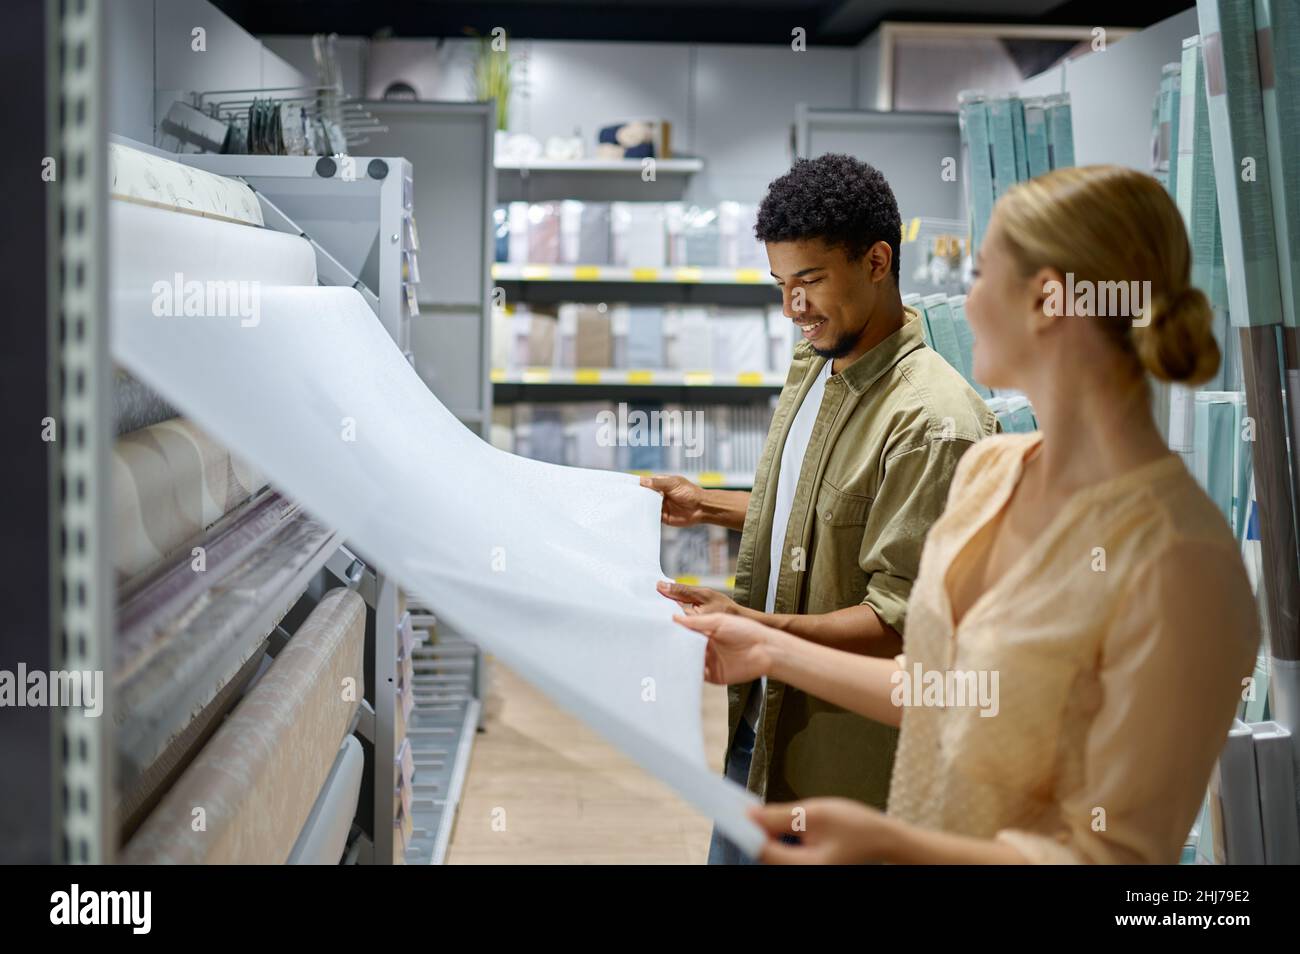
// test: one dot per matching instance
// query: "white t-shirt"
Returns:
(792, 455)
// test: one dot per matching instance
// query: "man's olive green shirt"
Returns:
(883, 449)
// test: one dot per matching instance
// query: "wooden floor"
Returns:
(544, 789)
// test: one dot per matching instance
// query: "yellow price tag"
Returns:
(916, 227)
(537, 272)
(698, 377)
(537, 375)
(586, 273)
(749, 276)
(712, 478)
(689, 580)
(587, 376)
(688, 274)
(750, 378)
(640, 377)
(645, 274)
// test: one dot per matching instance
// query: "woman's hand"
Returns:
(740, 649)
(831, 831)
(698, 599)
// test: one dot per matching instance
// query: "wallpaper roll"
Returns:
(551, 568)
(171, 481)
(255, 783)
(135, 406)
(331, 818)
(206, 254)
(147, 179)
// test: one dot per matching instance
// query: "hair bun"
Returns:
(1177, 344)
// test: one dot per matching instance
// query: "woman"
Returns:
(1087, 595)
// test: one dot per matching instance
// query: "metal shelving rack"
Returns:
(84, 827)
(598, 180)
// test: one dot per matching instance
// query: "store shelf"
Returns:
(720, 583)
(675, 275)
(638, 377)
(732, 480)
(441, 731)
(682, 166)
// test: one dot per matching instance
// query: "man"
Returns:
(863, 443)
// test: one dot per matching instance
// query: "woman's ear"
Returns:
(1049, 299)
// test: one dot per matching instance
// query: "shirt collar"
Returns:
(864, 372)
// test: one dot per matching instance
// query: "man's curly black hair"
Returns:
(841, 200)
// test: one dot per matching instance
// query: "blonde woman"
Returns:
(1088, 590)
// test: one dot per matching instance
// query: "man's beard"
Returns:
(842, 346)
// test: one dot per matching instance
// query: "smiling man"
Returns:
(862, 446)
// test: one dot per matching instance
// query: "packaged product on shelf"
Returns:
(619, 321)
(693, 236)
(542, 326)
(685, 551)
(645, 336)
(645, 445)
(517, 240)
(637, 230)
(594, 347)
(566, 335)
(973, 119)
(544, 233)
(943, 336)
(674, 217)
(1220, 459)
(539, 432)
(1277, 31)
(594, 234)
(588, 441)
(1060, 130)
(521, 328)
(965, 343)
(1018, 139)
(691, 348)
(1002, 137)
(738, 246)
(1014, 413)
(502, 337)
(739, 341)
(780, 337)
(673, 436)
(635, 139)
(501, 233)
(1036, 138)
(1195, 188)
(571, 232)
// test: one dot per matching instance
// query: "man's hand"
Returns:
(739, 649)
(698, 599)
(830, 831)
(682, 500)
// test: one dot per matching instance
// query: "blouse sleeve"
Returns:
(1171, 674)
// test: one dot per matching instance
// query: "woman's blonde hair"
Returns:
(1114, 224)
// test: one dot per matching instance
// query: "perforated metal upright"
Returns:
(82, 629)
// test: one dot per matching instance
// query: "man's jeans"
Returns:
(722, 851)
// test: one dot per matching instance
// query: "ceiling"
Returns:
(705, 21)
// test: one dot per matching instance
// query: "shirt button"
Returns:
(828, 516)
